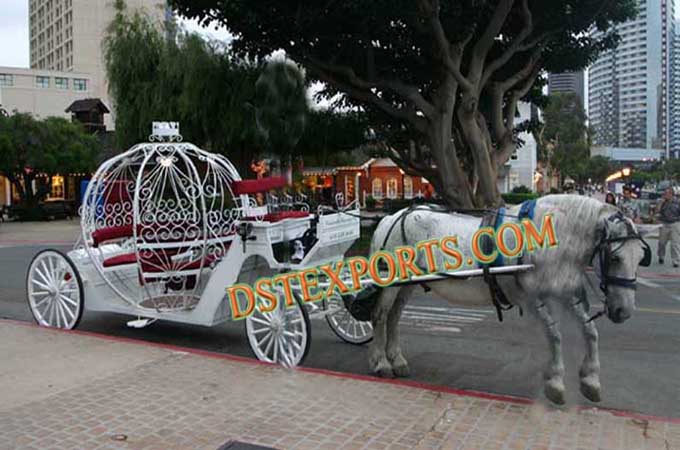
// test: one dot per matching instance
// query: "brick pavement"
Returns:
(61, 390)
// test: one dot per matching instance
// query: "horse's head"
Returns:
(620, 250)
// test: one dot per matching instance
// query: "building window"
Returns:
(79, 84)
(408, 187)
(61, 83)
(392, 188)
(42, 82)
(376, 188)
(57, 188)
(6, 79)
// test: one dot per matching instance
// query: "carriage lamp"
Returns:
(244, 230)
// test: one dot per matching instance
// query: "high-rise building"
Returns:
(631, 89)
(66, 35)
(567, 82)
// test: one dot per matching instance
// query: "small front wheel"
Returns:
(343, 324)
(282, 336)
(55, 290)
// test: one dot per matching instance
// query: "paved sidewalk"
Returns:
(72, 390)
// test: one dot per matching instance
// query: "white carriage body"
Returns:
(167, 227)
(187, 240)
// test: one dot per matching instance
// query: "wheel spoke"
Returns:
(41, 302)
(67, 309)
(260, 331)
(42, 285)
(69, 300)
(284, 356)
(260, 321)
(44, 277)
(269, 345)
(57, 307)
(51, 319)
(276, 351)
(37, 293)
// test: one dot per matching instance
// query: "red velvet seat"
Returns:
(258, 186)
(110, 233)
(156, 263)
(277, 216)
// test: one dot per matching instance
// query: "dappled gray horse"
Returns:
(586, 229)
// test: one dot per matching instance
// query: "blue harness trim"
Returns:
(499, 259)
(526, 209)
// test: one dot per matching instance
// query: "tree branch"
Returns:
(486, 40)
(407, 92)
(515, 46)
(430, 12)
(366, 95)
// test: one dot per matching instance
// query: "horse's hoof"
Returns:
(401, 370)
(384, 371)
(590, 388)
(554, 391)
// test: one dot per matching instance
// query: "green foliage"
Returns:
(188, 80)
(51, 146)
(521, 190)
(513, 198)
(564, 137)
(208, 90)
(598, 168)
(370, 203)
(331, 136)
(281, 106)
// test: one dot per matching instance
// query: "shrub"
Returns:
(514, 198)
(370, 203)
(521, 189)
(392, 205)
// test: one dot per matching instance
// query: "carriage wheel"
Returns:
(282, 336)
(55, 290)
(344, 325)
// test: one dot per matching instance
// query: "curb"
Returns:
(327, 372)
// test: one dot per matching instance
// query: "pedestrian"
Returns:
(628, 207)
(669, 215)
(610, 198)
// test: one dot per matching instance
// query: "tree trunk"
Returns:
(487, 194)
(452, 184)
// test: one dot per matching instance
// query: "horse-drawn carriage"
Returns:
(166, 227)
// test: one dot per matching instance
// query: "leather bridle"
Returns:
(604, 252)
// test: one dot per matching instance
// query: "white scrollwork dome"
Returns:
(162, 210)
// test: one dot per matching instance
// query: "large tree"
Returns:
(29, 147)
(445, 76)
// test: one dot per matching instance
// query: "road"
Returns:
(456, 347)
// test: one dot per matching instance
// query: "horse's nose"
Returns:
(621, 315)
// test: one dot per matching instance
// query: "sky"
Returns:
(14, 48)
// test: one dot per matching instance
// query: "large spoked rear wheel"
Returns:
(282, 336)
(55, 290)
(344, 325)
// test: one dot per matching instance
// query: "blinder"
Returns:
(605, 253)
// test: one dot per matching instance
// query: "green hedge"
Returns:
(514, 199)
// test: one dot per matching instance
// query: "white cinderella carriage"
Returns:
(166, 227)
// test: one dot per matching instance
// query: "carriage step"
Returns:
(140, 323)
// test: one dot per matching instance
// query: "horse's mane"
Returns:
(578, 209)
